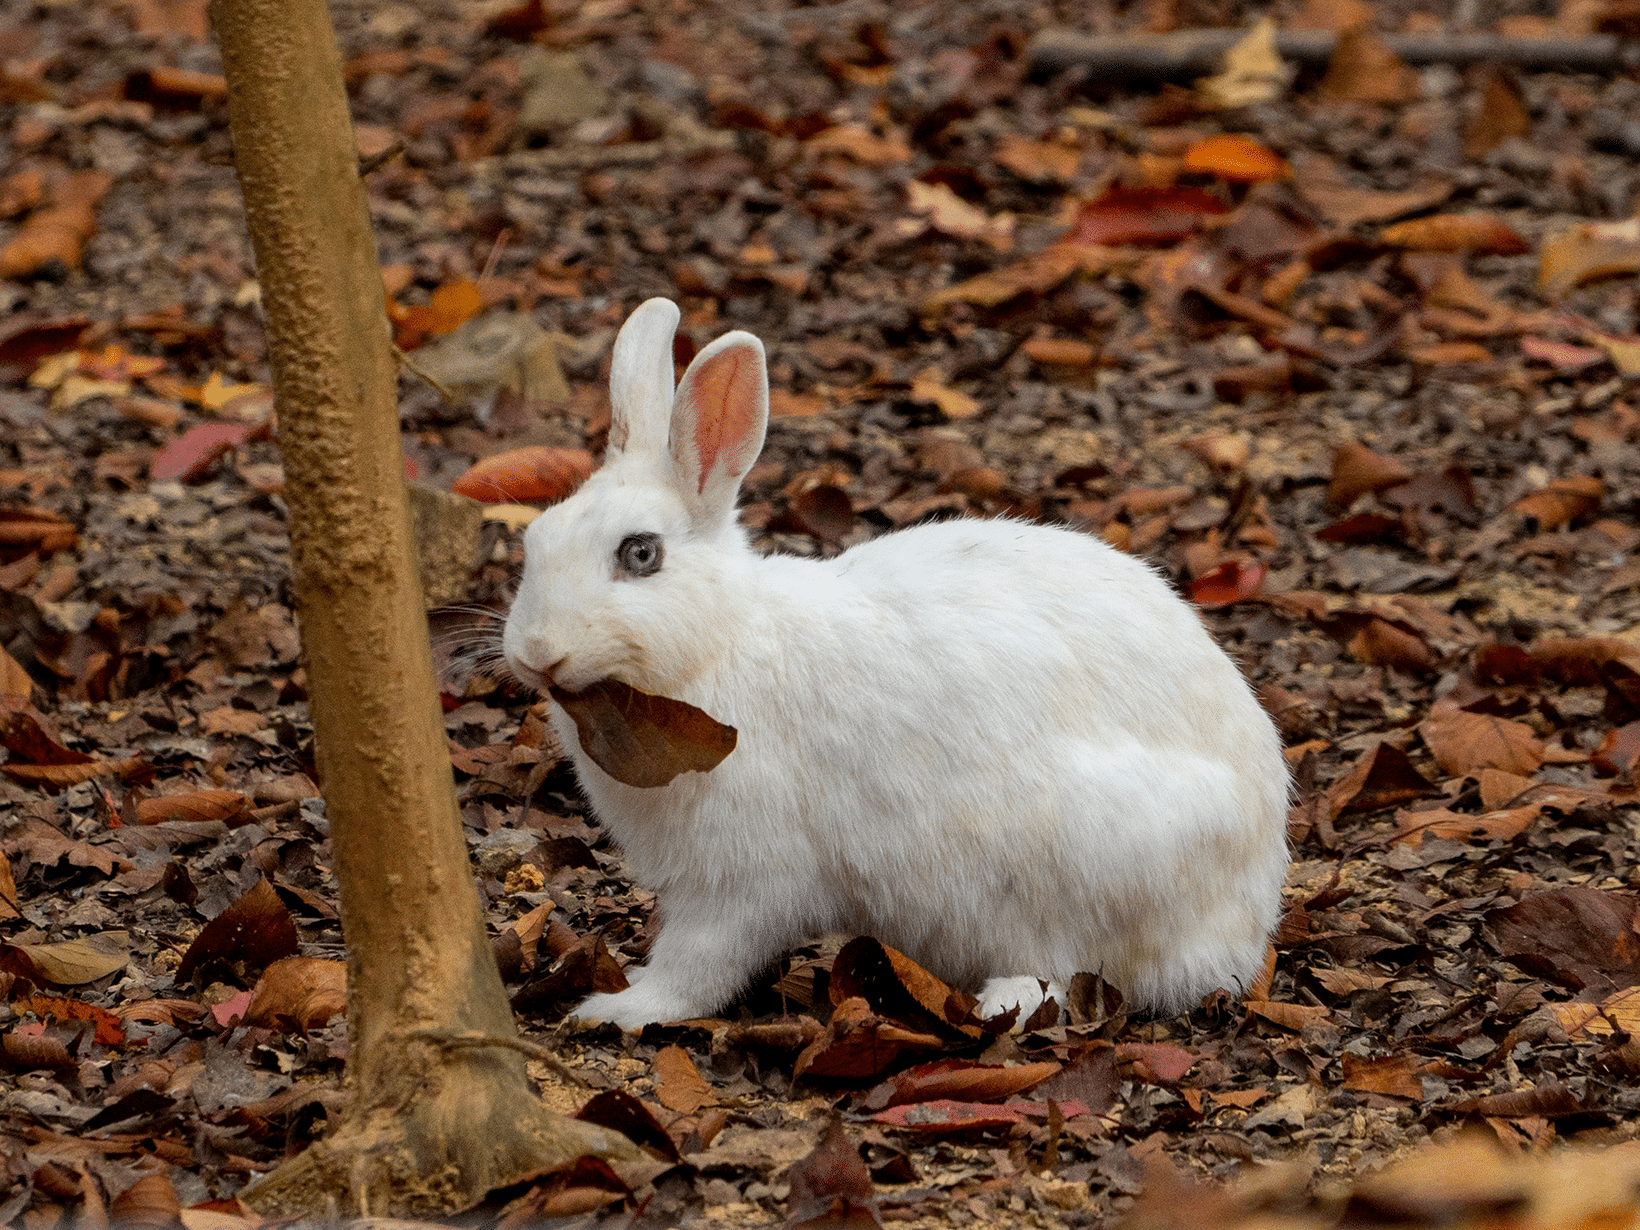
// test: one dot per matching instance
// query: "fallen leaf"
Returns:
(1577, 937)
(1160, 1063)
(1478, 234)
(831, 1188)
(254, 931)
(1596, 1020)
(949, 214)
(1563, 501)
(1231, 582)
(1381, 778)
(150, 1201)
(859, 143)
(1145, 217)
(1396, 1075)
(110, 1031)
(1562, 356)
(1289, 1016)
(679, 1085)
(1464, 743)
(1236, 158)
(897, 987)
(25, 1052)
(928, 388)
(957, 1079)
(1357, 470)
(75, 962)
(1619, 751)
(1038, 161)
(1253, 71)
(1363, 69)
(824, 512)
(298, 993)
(1502, 825)
(192, 453)
(1059, 350)
(1588, 252)
(537, 474)
(197, 806)
(1320, 182)
(1036, 274)
(57, 232)
(641, 739)
(1502, 114)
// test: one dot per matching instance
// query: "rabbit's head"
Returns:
(631, 577)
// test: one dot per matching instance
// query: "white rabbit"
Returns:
(1007, 750)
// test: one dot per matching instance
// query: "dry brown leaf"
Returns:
(255, 930)
(1364, 69)
(1253, 71)
(959, 1079)
(29, 1052)
(641, 739)
(1381, 778)
(57, 232)
(862, 145)
(198, 806)
(1563, 501)
(950, 215)
(1464, 742)
(928, 388)
(1038, 161)
(1480, 234)
(1358, 470)
(1289, 1016)
(1396, 1076)
(150, 1201)
(1064, 351)
(1323, 185)
(679, 1085)
(1502, 114)
(1504, 825)
(1034, 275)
(298, 993)
(76, 962)
(1588, 252)
(1621, 1008)
(15, 683)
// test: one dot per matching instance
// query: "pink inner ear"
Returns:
(726, 405)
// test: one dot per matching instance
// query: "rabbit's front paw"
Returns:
(1000, 994)
(635, 1007)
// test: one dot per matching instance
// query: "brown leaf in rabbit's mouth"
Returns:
(642, 739)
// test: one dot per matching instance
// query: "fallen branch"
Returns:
(1187, 54)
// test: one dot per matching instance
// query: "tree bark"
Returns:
(429, 1128)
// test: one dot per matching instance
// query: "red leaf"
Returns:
(196, 450)
(1146, 217)
(1232, 581)
(256, 930)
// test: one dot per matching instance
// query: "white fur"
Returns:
(1007, 750)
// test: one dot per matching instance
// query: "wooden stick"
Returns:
(1187, 54)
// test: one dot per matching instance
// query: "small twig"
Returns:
(381, 157)
(414, 369)
(496, 249)
(452, 1042)
(1194, 53)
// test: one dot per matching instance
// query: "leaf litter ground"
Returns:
(1355, 365)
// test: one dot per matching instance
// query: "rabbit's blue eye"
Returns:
(639, 555)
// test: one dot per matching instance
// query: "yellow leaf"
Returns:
(1253, 71)
(927, 388)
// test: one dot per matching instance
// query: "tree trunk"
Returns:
(429, 1127)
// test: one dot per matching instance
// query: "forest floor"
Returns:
(1349, 351)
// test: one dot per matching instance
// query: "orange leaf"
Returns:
(57, 233)
(1289, 1016)
(1588, 252)
(1563, 501)
(1061, 350)
(1237, 158)
(1481, 234)
(110, 1030)
(959, 1079)
(1503, 825)
(536, 474)
(641, 739)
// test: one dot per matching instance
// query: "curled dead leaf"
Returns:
(298, 993)
(57, 232)
(642, 739)
(534, 475)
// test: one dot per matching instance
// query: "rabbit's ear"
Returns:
(718, 420)
(640, 380)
